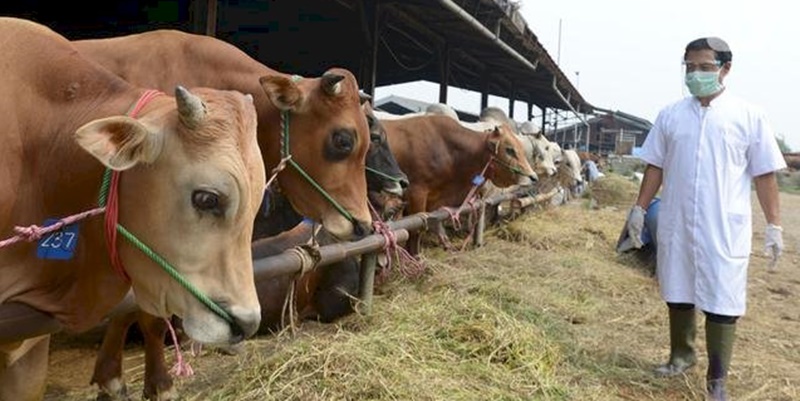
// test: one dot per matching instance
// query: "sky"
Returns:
(626, 54)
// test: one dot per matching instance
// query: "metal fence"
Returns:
(19, 321)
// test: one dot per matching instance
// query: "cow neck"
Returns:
(286, 159)
(488, 157)
(109, 195)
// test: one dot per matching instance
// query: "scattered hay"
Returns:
(546, 310)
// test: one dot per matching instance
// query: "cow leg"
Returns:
(158, 385)
(108, 364)
(23, 369)
(417, 202)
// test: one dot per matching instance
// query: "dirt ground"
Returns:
(768, 339)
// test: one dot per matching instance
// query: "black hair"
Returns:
(720, 48)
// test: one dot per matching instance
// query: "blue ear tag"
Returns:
(58, 244)
(478, 180)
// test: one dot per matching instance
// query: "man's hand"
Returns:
(635, 225)
(773, 244)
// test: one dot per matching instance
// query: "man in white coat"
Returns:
(704, 152)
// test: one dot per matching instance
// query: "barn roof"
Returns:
(402, 105)
(489, 46)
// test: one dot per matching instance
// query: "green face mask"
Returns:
(703, 83)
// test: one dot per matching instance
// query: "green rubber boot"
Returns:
(682, 331)
(719, 343)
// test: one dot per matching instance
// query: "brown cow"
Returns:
(327, 131)
(324, 294)
(441, 157)
(192, 183)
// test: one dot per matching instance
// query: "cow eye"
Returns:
(511, 152)
(207, 201)
(341, 144)
(375, 138)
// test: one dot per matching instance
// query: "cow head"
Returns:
(328, 139)
(192, 182)
(543, 156)
(569, 169)
(511, 167)
(385, 180)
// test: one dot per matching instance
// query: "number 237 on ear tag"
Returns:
(59, 244)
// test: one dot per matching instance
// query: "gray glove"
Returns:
(773, 244)
(635, 225)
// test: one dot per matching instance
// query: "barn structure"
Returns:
(480, 45)
(607, 132)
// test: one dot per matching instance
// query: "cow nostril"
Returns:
(361, 229)
(404, 183)
(533, 178)
(242, 329)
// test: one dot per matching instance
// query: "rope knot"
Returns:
(29, 233)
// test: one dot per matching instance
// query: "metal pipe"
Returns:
(19, 321)
(291, 262)
(477, 236)
(588, 128)
(486, 32)
(367, 280)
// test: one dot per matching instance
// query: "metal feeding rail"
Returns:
(19, 321)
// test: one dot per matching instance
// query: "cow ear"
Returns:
(282, 91)
(119, 142)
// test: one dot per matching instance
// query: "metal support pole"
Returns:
(511, 100)
(211, 20)
(371, 24)
(367, 279)
(477, 236)
(485, 91)
(444, 80)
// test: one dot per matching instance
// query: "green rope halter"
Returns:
(174, 273)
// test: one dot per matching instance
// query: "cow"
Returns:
(316, 121)
(442, 158)
(442, 109)
(386, 182)
(497, 115)
(185, 179)
(324, 294)
(541, 153)
(569, 170)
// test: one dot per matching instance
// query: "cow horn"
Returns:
(364, 97)
(191, 109)
(331, 83)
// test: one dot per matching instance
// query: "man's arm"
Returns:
(651, 182)
(767, 192)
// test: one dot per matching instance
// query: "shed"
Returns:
(480, 45)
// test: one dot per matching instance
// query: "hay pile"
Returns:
(613, 190)
(544, 311)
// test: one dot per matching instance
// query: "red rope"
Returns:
(392, 249)
(112, 206)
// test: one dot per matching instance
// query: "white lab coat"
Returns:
(708, 156)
